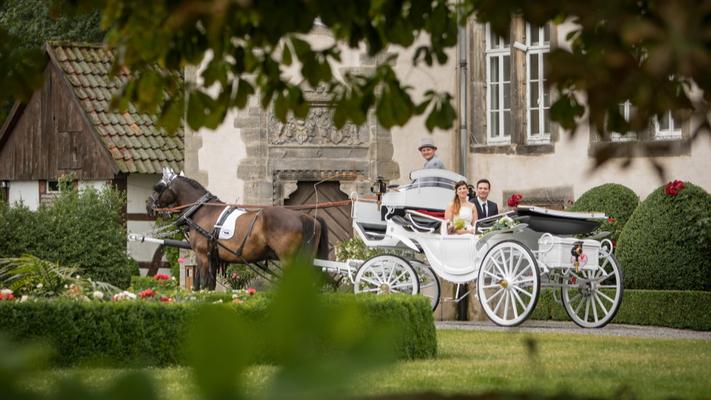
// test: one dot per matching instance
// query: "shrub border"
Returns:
(682, 309)
(142, 334)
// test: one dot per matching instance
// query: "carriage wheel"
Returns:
(429, 283)
(385, 274)
(591, 298)
(508, 283)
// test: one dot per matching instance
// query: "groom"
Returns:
(484, 207)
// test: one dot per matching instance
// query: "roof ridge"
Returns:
(69, 43)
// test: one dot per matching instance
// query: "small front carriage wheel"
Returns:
(385, 274)
(508, 283)
(592, 297)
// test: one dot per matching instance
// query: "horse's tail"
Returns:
(322, 250)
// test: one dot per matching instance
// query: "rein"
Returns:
(198, 204)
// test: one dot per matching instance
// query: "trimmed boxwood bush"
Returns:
(615, 200)
(665, 244)
(682, 309)
(141, 333)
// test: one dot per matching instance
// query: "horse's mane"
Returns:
(195, 184)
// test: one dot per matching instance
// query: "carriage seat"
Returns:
(418, 222)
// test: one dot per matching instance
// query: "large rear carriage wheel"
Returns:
(383, 274)
(429, 283)
(591, 298)
(508, 283)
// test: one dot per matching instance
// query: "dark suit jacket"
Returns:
(491, 207)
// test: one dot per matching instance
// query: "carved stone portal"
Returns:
(281, 154)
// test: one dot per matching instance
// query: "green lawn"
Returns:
(475, 362)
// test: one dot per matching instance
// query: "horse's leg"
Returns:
(201, 271)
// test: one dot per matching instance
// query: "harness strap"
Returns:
(185, 217)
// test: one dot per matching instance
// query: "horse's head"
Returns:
(164, 194)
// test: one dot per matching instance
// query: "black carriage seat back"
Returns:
(558, 222)
(423, 222)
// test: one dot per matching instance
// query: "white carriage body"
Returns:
(456, 258)
(555, 252)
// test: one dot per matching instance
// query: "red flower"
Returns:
(161, 277)
(146, 293)
(165, 299)
(8, 296)
(251, 291)
(611, 220)
(672, 188)
(234, 276)
(514, 200)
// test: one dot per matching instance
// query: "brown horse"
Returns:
(270, 233)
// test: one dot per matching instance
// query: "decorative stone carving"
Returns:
(316, 129)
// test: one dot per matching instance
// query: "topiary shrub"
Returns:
(615, 200)
(665, 245)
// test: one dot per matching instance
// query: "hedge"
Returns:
(140, 333)
(615, 200)
(665, 244)
(682, 309)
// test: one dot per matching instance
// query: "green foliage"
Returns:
(139, 283)
(78, 229)
(146, 333)
(239, 276)
(615, 200)
(25, 25)
(681, 309)
(665, 244)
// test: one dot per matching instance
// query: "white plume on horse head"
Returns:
(168, 174)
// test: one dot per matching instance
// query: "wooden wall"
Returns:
(52, 138)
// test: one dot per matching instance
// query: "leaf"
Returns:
(244, 90)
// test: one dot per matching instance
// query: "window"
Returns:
(669, 128)
(510, 105)
(498, 88)
(53, 187)
(538, 109)
(626, 110)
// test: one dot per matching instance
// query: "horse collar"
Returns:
(184, 217)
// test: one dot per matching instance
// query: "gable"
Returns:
(51, 136)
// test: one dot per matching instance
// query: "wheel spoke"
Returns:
(402, 285)
(529, 280)
(606, 297)
(500, 300)
(607, 286)
(597, 299)
(497, 277)
(594, 307)
(587, 308)
(364, 279)
(490, 286)
(582, 301)
(530, 295)
(498, 268)
(506, 306)
(520, 301)
(513, 304)
(371, 290)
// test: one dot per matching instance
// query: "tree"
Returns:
(25, 25)
(654, 54)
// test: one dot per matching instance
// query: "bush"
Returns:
(681, 309)
(81, 229)
(665, 244)
(142, 333)
(615, 200)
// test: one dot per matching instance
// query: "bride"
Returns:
(460, 213)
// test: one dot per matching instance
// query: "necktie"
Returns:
(483, 207)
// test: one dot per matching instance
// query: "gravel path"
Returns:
(570, 327)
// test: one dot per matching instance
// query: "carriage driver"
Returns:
(427, 150)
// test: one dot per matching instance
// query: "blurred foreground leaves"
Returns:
(317, 348)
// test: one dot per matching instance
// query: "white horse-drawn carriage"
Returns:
(510, 258)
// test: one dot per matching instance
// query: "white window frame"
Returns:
(539, 48)
(627, 110)
(501, 50)
(673, 133)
